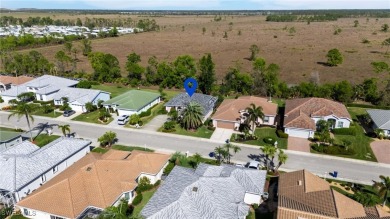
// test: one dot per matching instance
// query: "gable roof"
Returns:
(46, 83)
(133, 100)
(207, 192)
(381, 118)
(79, 95)
(15, 80)
(21, 166)
(229, 109)
(182, 99)
(302, 191)
(95, 180)
(298, 112)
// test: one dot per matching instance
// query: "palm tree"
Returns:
(64, 129)
(89, 107)
(383, 188)
(254, 113)
(197, 157)
(24, 109)
(117, 212)
(108, 138)
(282, 157)
(192, 116)
(219, 151)
(267, 150)
(227, 147)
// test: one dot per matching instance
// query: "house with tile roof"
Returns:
(232, 112)
(211, 192)
(302, 194)
(132, 102)
(302, 114)
(44, 87)
(380, 120)
(9, 139)
(78, 97)
(180, 101)
(93, 183)
(25, 167)
(8, 82)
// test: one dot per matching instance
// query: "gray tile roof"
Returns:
(46, 83)
(380, 117)
(79, 95)
(220, 192)
(24, 162)
(182, 99)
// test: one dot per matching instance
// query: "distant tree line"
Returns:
(307, 18)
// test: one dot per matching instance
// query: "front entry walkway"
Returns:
(381, 149)
(298, 144)
(221, 134)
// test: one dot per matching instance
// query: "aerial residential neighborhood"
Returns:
(194, 109)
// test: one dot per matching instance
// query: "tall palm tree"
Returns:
(267, 151)
(24, 109)
(282, 157)
(383, 188)
(219, 151)
(254, 113)
(64, 129)
(192, 116)
(227, 147)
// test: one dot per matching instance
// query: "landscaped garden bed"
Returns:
(263, 136)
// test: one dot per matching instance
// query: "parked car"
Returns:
(68, 113)
(253, 165)
(123, 119)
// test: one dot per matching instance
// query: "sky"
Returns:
(197, 4)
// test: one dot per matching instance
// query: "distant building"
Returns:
(25, 167)
(380, 120)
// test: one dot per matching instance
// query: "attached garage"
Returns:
(300, 133)
(225, 125)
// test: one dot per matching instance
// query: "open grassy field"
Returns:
(298, 54)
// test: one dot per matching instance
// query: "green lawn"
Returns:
(19, 216)
(53, 114)
(146, 196)
(44, 139)
(117, 90)
(355, 111)
(92, 117)
(7, 129)
(202, 132)
(121, 148)
(263, 132)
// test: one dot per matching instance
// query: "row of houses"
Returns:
(52, 30)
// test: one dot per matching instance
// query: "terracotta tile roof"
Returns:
(299, 110)
(14, 80)
(95, 180)
(229, 109)
(303, 191)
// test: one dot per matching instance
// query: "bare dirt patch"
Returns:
(298, 54)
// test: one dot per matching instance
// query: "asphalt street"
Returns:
(348, 169)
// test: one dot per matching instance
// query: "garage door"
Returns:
(225, 125)
(298, 133)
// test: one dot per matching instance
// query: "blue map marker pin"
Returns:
(190, 90)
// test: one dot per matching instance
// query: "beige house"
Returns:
(232, 112)
(303, 195)
(92, 184)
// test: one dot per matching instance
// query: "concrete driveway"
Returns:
(298, 144)
(221, 134)
(155, 123)
(381, 149)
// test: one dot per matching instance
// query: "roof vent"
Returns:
(89, 168)
(299, 182)
(195, 189)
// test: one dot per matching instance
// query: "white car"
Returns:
(254, 164)
(123, 119)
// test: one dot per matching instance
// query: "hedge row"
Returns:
(281, 134)
(368, 106)
(137, 199)
(333, 150)
(344, 131)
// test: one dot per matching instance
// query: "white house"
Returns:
(93, 183)
(9, 139)
(232, 112)
(226, 191)
(302, 114)
(380, 120)
(180, 101)
(44, 87)
(25, 167)
(132, 102)
(78, 97)
(8, 82)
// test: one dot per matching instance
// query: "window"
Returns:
(340, 124)
(127, 196)
(43, 178)
(25, 211)
(55, 169)
(266, 119)
(55, 217)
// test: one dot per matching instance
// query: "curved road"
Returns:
(348, 169)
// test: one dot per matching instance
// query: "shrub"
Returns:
(347, 188)
(344, 131)
(169, 125)
(144, 185)
(211, 128)
(281, 134)
(146, 113)
(1, 100)
(169, 168)
(162, 111)
(255, 206)
(134, 119)
(269, 140)
(140, 123)
(333, 150)
(84, 84)
(137, 199)
(157, 183)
